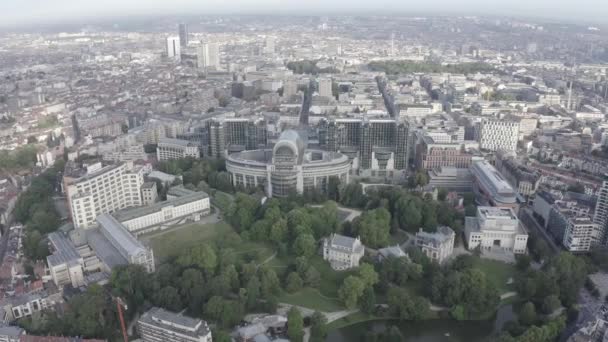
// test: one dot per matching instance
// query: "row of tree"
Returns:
(36, 210)
(406, 67)
(23, 158)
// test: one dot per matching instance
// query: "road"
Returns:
(528, 220)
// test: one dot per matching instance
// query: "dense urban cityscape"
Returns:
(304, 178)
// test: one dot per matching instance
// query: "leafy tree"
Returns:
(470, 210)
(373, 227)
(269, 282)
(318, 330)
(191, 289)
(242, 211)
(202, 256)
(312, 277)
(368, 275)
(351, 290)
(168, 297)
(527, 314)
(550, 304)
(253, 292)
(368, 301)
(295, 325)
(405, 306)
(293, 283)
(304, 245)
(442, 194)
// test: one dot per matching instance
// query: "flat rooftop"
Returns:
(497, 212)
(133, 213)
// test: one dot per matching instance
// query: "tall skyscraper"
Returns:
(183, 34)
(208, 56)
(325, 85)
(601, 209)
(173, 48)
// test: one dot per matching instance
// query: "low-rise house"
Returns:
(342, 252)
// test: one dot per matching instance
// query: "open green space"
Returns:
(312, 299)
(171, 243)
(497, 272)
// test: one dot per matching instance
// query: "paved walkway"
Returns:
(508, 295)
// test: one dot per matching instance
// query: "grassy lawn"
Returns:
(171, 243)
(326, 297)
(313, 299)
(497, 272)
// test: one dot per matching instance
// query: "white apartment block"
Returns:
(437, 246)
(208, 56)
(103, 189)
(169, 149)
(342, 252)
(601, 210)
(159, 325)
(496, 228)
(494, 135)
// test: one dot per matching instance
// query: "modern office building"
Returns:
(208, 56)
(490, 187)
(226, 136)
(160, 325)
(183, 35)
(173, 48)
(437, 246)
(378, 148)
(494, 135)
(451, 179)
(288, 167)
(98, 189)
(325, 87)
(169, 149)
(342, 252)
(496, 228)
(126, 244)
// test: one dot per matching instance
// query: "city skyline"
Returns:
(33, 12)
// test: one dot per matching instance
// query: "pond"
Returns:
(438, 330)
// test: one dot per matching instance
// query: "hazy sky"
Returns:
(26, 11)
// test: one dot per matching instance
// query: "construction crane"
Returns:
(120, 304)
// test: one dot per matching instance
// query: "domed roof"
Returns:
(292, 140)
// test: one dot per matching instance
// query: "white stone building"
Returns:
(438, 246)
(496, 228)
(342, 252)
